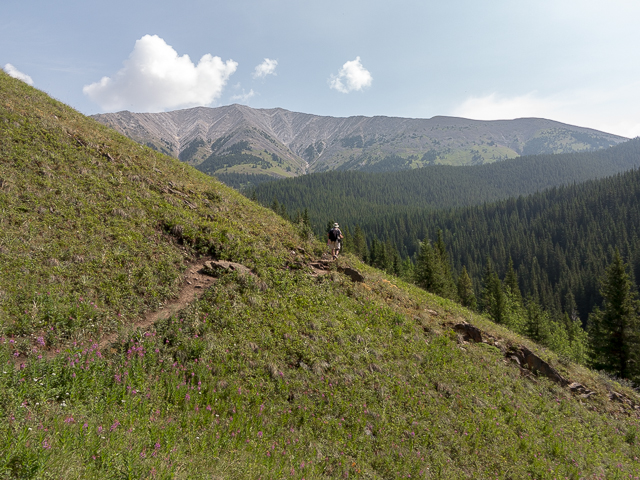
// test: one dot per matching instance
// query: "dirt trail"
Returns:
(195, 284)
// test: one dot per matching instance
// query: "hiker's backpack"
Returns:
(334, 234)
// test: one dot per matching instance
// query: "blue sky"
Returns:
(574, 61)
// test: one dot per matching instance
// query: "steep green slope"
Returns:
(89, 214)
(358, 197)
(287, 371)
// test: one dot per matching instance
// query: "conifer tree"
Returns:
(486, 299)
(570, 308)
(359, 242)
(511, 282)
(613, 330)
(378, 255)
(393, 259)
(372, 258)
(407, 272)
(577, 338)
(347, 244)
(537, 323)
(465, 290)
(433, 271)
(441, 250)
(425, 268)
(498, 300)
(493, 299)
(448, 288)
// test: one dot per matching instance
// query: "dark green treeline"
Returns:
(371, 198)
(559, 241)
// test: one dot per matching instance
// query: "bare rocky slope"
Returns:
(237, 139)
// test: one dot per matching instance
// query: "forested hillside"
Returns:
(552, 266)
(363, 198)
(557, 242)
(560, 241)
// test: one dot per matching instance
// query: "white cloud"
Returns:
(495, 107)
(155, 78)
(352, 76)
(268, 67)
(604, 110)
(15, 73)
(244, 97)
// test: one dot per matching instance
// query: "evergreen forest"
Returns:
(559, 240)
(356, 197)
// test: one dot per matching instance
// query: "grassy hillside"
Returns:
(89, 214)
(284, 372)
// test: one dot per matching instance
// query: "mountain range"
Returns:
(265, 143)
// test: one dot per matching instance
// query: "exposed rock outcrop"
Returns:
(352, 273)
(534, 363)
(519, 354)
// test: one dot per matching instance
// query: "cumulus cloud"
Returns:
(604, 110)
(268, 67)
(15, 73)
(243, 97)
(496, 107)
(352, 76)
(155, 78)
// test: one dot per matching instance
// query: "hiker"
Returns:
(334, 241)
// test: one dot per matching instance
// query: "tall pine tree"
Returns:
(613, 330)
(511, 282)
(465, 290)
(433, 270)
(360, 243)
(493, 298)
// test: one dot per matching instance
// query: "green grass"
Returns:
(317, 377)
(91, 218)
(278, 374)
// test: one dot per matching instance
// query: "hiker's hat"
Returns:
(335, 225)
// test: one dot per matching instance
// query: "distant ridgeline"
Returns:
(559, 239)
(243, 146)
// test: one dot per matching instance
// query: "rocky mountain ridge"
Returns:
(237, 139)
